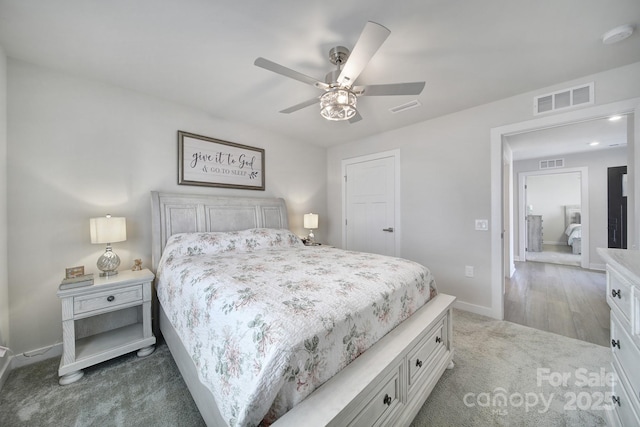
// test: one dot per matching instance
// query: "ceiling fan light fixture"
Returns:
(338, 104)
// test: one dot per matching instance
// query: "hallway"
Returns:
(562, 299)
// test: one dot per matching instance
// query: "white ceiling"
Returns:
(200, 52)
(574, 138)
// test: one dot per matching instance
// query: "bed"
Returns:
(338, 364)
(573, 227)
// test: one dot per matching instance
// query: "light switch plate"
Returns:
(482, 224)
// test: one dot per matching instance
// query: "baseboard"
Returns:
(600, 267)
(35, 356)
(5, 370)
(473, 308)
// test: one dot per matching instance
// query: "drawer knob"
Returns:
(615, 343)
(110, 298)
(615, 399)
(438, 339)
(387, 400)
(419, 363)
(616, 293)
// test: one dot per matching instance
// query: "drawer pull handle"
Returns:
(616, 293)
(387, 400)
(615, 343)
(110, 298)
(419, 363)
(615, 399)
(438, 339)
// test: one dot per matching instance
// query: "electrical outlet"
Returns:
(482, 224)
(468, 270)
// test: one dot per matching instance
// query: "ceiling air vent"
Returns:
(404, 107)
(564, 99)
(551, 164)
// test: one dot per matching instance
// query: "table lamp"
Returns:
(310, 223)
(108, 230)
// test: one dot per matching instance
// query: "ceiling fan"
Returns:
(339, 99)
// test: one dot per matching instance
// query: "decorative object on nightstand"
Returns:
(71, 272)
(310, 223)
(108, 230)
(76, 282)
(106, 320)
(137, 265)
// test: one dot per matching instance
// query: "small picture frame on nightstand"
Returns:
(73, 272)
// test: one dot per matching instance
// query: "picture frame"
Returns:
(212, 162)
(73, 272)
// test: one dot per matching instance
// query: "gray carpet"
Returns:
(492, 358)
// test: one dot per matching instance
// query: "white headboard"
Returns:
(185, 213)
(572, 215)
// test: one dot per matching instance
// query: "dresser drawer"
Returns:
(619, 293)
(107, 299)
(382, 402)
(425, 354)
(622, 405)
(627, 355)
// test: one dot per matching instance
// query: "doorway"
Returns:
(498, 135)
(553, 212)
(617, 207)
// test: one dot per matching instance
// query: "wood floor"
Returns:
(562, 299)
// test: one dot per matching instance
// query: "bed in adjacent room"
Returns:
(267, 330)
(573, 227)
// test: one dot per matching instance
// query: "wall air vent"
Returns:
(574, 97)
(551, 164)
(404, 107)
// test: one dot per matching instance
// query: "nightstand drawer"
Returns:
(107, 299)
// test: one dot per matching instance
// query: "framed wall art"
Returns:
(216, 163)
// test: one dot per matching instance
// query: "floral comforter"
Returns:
(267, 320)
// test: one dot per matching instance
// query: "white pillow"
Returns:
(212, 243)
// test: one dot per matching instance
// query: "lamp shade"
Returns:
(310, 221)
(108, 229)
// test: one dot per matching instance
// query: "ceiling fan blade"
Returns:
(301, 105)
(288, 72)
(414, 88)
(355, 118)
(371, 38)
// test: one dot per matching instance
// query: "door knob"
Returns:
(390, 229)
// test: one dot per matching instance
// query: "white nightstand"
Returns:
(110, 318)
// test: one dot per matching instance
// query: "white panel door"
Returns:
(370, 206)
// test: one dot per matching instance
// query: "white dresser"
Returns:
(623, 297)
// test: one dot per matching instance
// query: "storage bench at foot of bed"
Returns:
(388, 384)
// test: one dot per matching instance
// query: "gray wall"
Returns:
(79, 149)
(4, 278)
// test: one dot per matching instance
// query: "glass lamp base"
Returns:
(108, 263)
